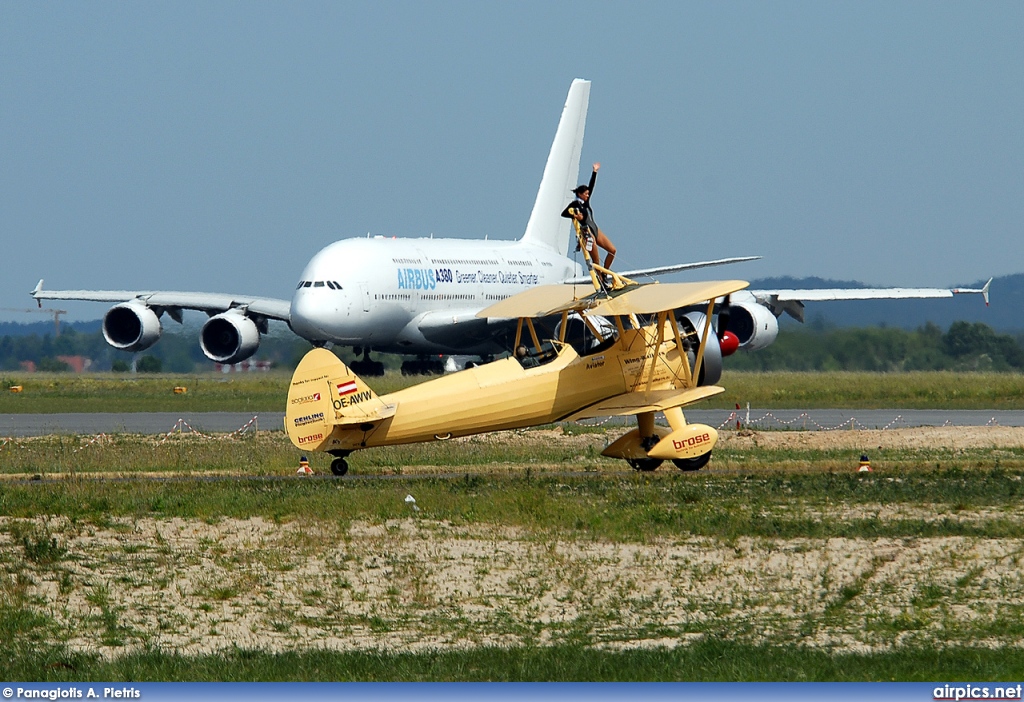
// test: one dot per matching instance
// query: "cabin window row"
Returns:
(465, 262)
(444, 296)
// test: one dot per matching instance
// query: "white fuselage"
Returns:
(393, 294)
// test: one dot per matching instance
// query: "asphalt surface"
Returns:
(12, 425)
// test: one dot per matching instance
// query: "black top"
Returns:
(588, 222)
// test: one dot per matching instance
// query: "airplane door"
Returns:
(364, 293)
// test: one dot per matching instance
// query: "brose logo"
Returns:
(315, 397)
(309, 419)
(691, 442)
(311, 437)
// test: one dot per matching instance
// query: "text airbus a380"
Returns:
(421, 296)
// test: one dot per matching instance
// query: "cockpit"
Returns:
(332, 284)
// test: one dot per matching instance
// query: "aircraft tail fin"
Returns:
(546, 225)
(325, 393)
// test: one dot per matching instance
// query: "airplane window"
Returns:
(301, 283)
(337, 285)
(330, 284)
(318, 284)
(307, 284)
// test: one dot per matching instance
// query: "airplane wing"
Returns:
(653, 401)
(791, 301)
(173, 302)
(674, 268)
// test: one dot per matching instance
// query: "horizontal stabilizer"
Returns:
(674, 268)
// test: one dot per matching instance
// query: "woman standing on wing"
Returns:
(580, 210)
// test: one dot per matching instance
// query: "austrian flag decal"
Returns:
(347, 388)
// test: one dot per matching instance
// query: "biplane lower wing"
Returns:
(641, 402)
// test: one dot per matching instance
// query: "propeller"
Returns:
(727, 341)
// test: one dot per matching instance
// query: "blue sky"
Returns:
(217, 146)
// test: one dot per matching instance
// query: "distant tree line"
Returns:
(965, 346)
(176, 352)
(815, 347)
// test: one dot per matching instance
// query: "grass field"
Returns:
(265, 392)
(527, 556)
(531, 558)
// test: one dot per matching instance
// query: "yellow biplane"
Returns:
(614, 349)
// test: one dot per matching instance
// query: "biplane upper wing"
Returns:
(545, 300)
(542, 301)
(649, 299)
(652, 401)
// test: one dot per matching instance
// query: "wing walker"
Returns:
(580, 351)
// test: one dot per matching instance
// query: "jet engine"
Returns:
(711, 366)
(229, 337)
(754, 325)
(131, 326)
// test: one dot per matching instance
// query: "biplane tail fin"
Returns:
(325, 393)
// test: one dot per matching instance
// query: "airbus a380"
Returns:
(421, 296)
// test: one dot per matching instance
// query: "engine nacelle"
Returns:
(229, 337)
(753, 324)
(131, 326)
(711, 366)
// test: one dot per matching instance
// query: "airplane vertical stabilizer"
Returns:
(546, 225)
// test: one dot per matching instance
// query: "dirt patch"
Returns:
(194, 587)
(902, 438)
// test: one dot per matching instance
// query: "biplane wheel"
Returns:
(690, 464)
(644, 464)
(339, 466)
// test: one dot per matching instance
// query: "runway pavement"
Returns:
(225, 422)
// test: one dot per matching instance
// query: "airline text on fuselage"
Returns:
(431, 278)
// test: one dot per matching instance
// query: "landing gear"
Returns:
(648, 464)
(339, 466)
(423, 365)
(366, 366)
(644, 465)
(691, 464)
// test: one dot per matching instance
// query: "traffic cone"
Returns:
(865, 464)
(304, 468)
